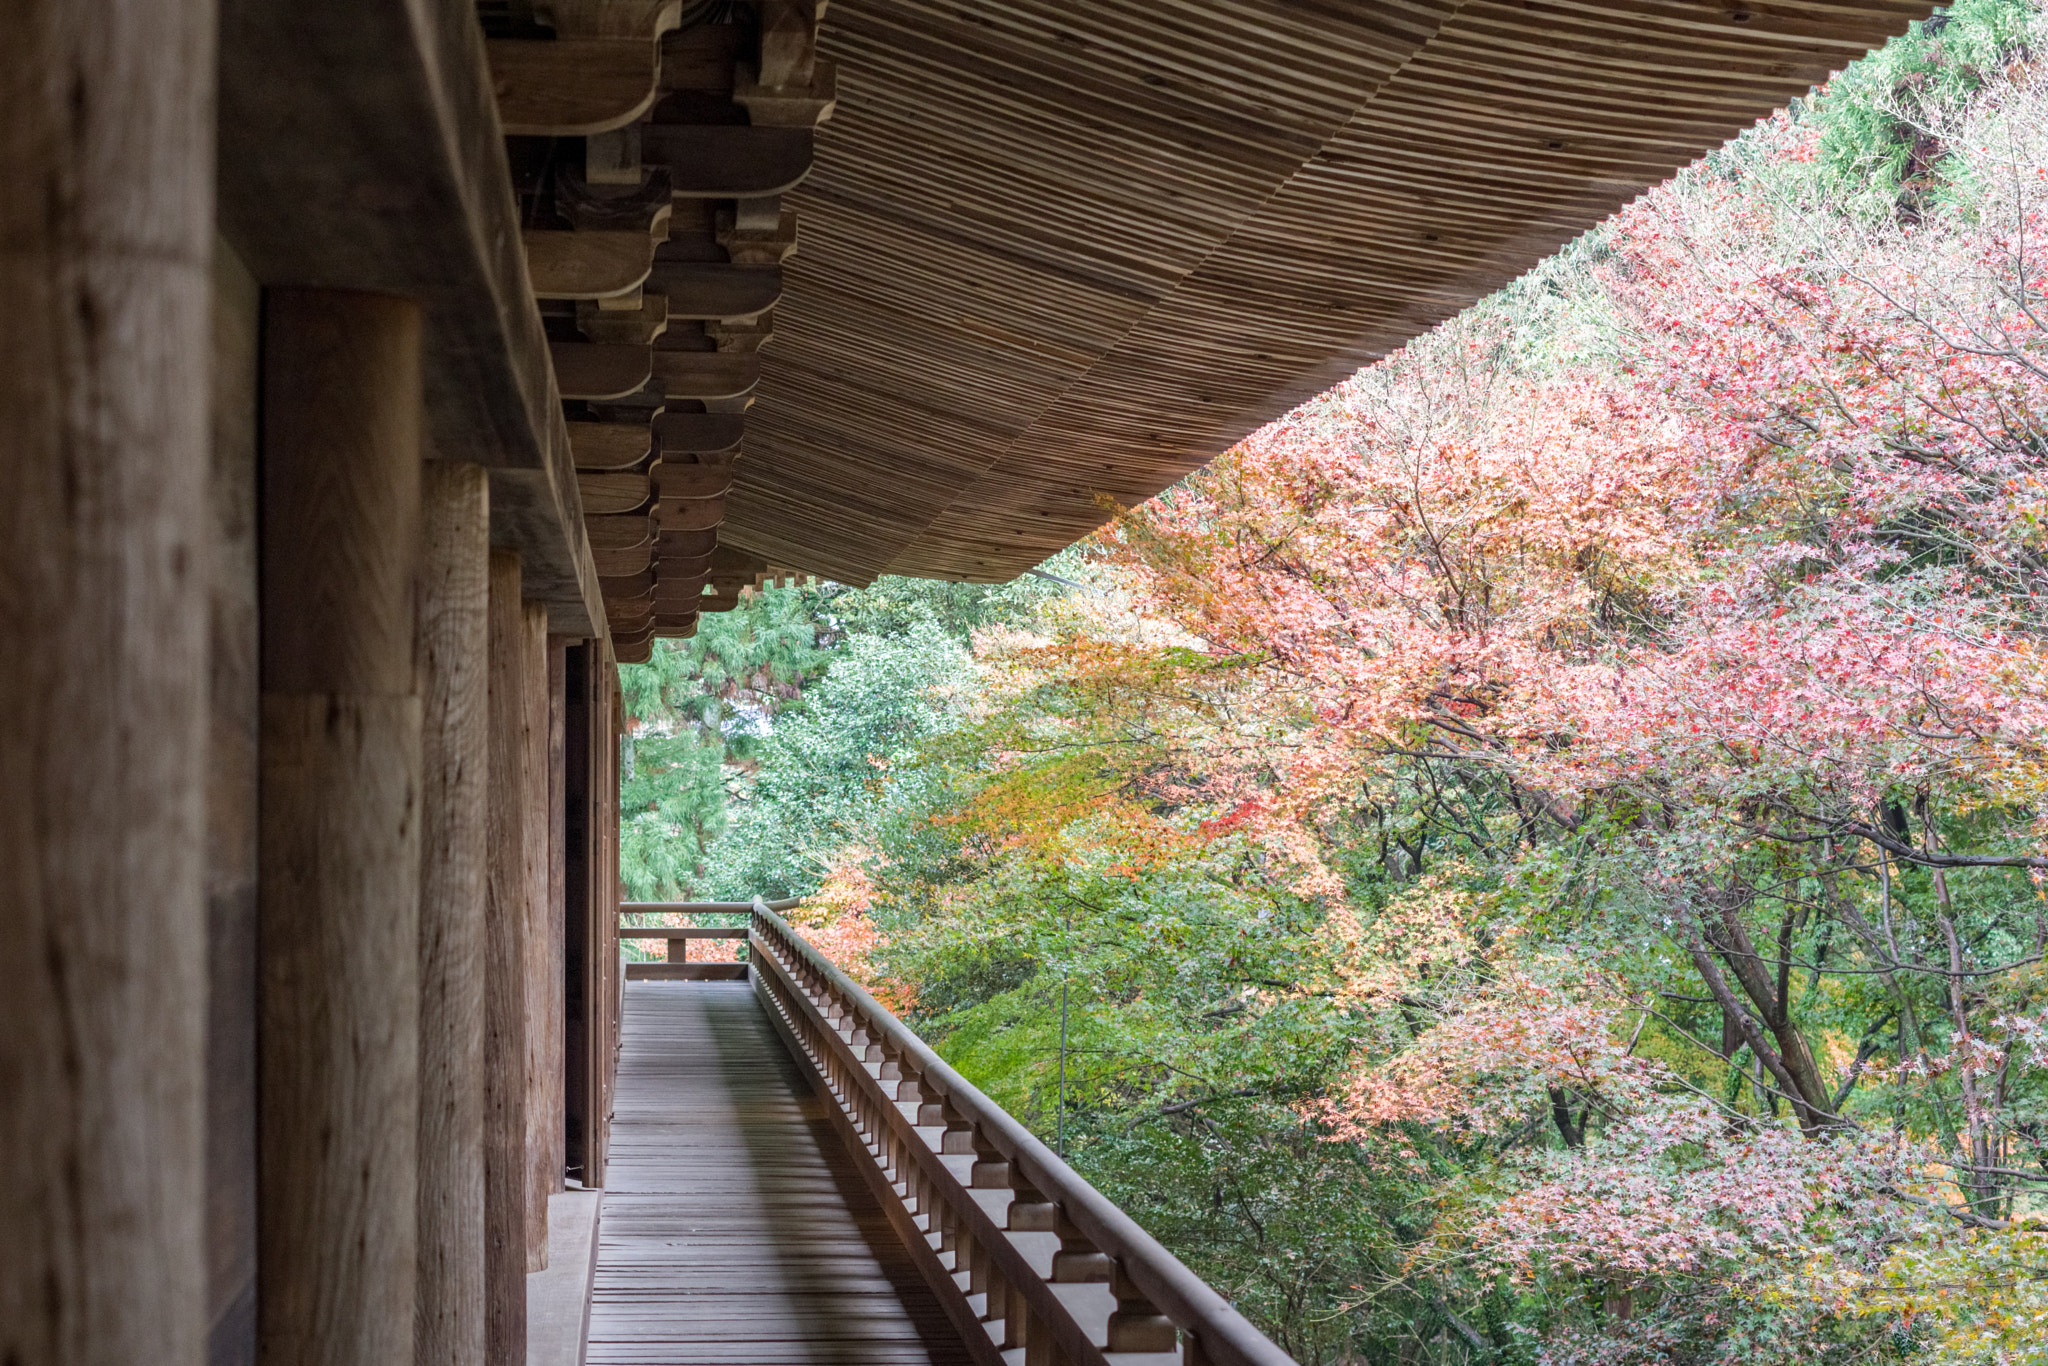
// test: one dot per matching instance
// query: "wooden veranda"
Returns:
(379, 376)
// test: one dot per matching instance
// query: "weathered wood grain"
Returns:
(729, 161)
(691, 514)
(572, 87)
(613, 493)
(590, 370)
(699, 433)
(340, 828)
(232, 803)
(1052, 254)
(451, 654)
(587, 265)
(339, 1028)
(555, 1060)
(700, 290)
(624, 562)
(736, 1227)
(539, 972)
(359, 145)
(620, 533)
(103, 556)
(610, 445)
(693, 481)
(508, 889)
(704, 374)
(586, 1051)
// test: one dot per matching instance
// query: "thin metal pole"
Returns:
(1060, 1130)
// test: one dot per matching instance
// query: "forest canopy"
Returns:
(1538, 855)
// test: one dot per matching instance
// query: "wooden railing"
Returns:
(676, 965)
(1034, 1265)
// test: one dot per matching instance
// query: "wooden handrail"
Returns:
(683, 932)
(705, 907)
(1037, 1279)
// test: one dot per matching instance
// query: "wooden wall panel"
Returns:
(103, 528)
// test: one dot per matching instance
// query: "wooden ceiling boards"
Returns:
(1053, 252)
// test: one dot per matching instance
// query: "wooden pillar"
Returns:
(508, 889)
(582, 998)
(556, 1074)
(232, 804)
(105, 234)
(541, 1174)
(451, 653)
(614, 730)
(339, 883)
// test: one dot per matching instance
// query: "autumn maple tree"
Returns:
(1538, 854)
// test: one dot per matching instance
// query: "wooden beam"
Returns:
(628, 586)
(104, 551)
(610, 445)
(451, 635)
(620, 533)
(728, 161)
(699, 433)
(694, 514)
(673, 568)
(704, 374)
(591, 370)
(393, 177)
(685, 544)
(692, 481)
(613, 493)
(573, 87)
(623, 563)
(587, 265)
(339, 883)
(698, 290)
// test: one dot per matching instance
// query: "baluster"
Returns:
(1017, 1325)
(1137, 1326)
(931, 1103)
(1030, 1211)
(977, 1266)
(959, 1135)
(991, 1170)
(949, 1231)
(891, 1075)
(1077, 1260)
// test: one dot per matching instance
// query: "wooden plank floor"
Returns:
(736, 1228)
